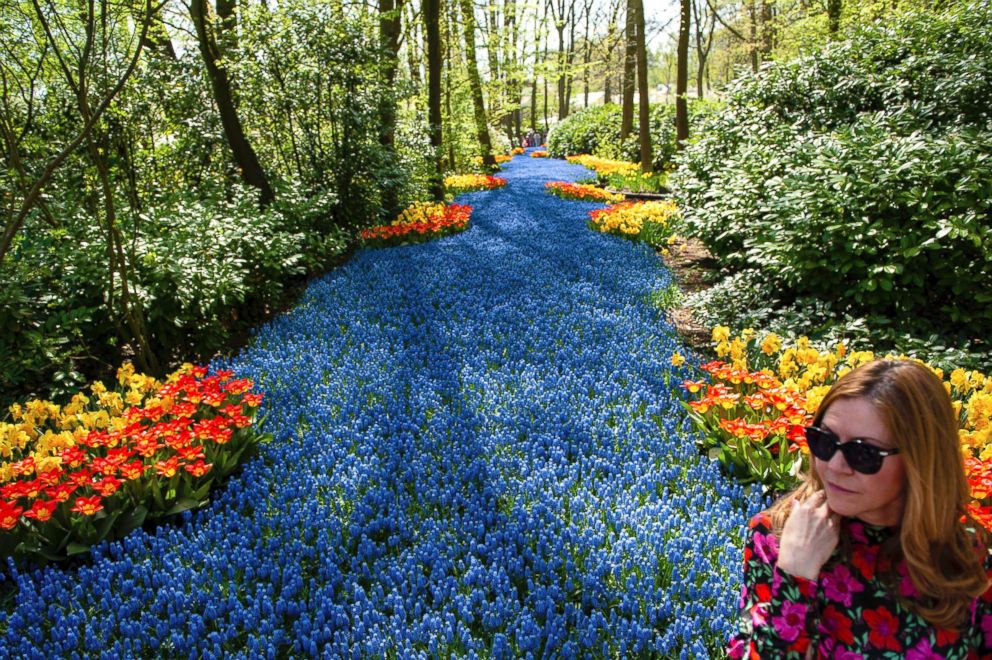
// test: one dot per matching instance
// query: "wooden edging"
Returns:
(641, 195)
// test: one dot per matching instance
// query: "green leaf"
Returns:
(184, 505)
(74, 549)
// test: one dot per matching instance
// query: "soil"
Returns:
(691, 264)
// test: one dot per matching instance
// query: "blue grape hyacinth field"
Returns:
(478, 452)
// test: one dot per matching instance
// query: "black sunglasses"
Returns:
(861, 456)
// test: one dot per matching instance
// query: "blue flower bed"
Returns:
(478, 452)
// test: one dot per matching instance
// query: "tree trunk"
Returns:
(450, 27)
(834, 9)
(475, 85)
(241, 149)
(767, 29)
(702, 22)
(586, 55)
(432, 15)
(389, 44)
(644, 106)
(753, 38)
(413, 58)
(562, 104)
(682, 77)
(629, 73)
(547, 4)
(157, 39)
(570, 58)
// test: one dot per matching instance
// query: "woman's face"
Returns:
(879, 498)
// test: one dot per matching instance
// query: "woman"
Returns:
(869, 557)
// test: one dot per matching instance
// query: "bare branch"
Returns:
(724, 23)
(14, 225)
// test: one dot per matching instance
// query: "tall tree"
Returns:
(390, 13)
(432, 29)
(586, 53)
(475, 85)
(611, 44)
(208, 24)
(644, 106)
(682, 76)
(537, 60)
(563, 15)
(629, 73)
(704, 24)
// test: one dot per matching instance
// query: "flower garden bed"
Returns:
(648, 221)
(462, 183)
(476, 451)
(422, 221)
(604, 166)
(581, 192)
(99, 467)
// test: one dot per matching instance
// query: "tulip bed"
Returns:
(581, 192)
(478, 451)
(647, 221)
(419, 222)
(462, 183)
(96, 469)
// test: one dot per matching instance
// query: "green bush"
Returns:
(860, 176)
(205, 268)
(596, 131)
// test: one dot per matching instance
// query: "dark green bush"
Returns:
(860, 176)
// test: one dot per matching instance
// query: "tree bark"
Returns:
(390, 12)
(644, 107)
(475, 85)
(223, 92)
(682, 77)
(834, 10)
(432, 28)
(629, 73)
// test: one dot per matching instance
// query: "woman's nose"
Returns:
(838, 463)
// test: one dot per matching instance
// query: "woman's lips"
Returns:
(840, 489)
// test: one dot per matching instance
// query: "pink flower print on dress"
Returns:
(759, 617)
(736, 649)
(923, 651)
(987, 628)
(840, 586)
(792, 622)
(766, 547)
(856, 530)
(906, 586)
(828, 650)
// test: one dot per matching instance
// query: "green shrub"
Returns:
(205, 267)
(596, 130)
(861, 177)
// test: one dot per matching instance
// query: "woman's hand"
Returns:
(809, 537)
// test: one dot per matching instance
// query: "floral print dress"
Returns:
(847, 612)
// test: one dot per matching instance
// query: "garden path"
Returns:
(477, 450)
